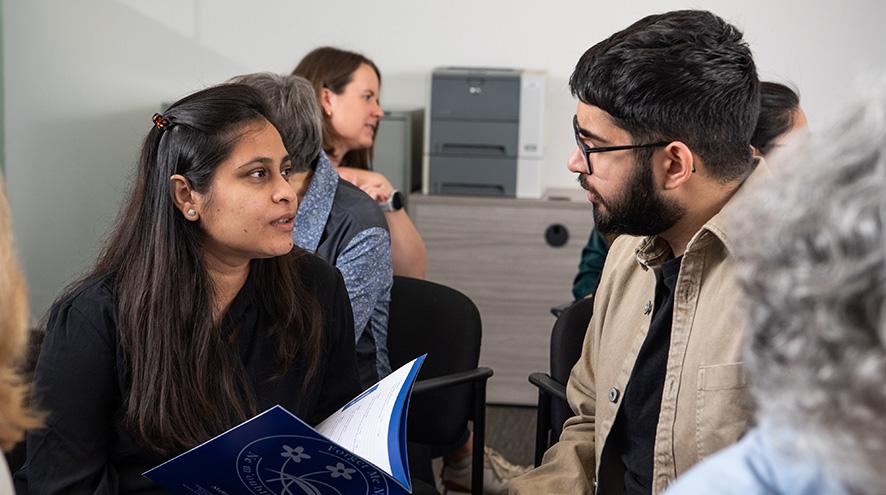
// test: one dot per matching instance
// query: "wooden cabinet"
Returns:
(495, 251)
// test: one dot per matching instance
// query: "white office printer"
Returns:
(485, 132)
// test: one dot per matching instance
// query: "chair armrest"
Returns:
(548, 385)
(479, 374)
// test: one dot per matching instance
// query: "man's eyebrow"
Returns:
(590, 135)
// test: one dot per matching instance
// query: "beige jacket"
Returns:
(704, 407)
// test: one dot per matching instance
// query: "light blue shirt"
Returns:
(755, 466)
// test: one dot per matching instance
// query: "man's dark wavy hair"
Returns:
(687, 76)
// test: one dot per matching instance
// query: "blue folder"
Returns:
(277, 453)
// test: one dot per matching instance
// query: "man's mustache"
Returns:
(583, 182)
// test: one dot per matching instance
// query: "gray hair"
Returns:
(811, 251)
(295, 110)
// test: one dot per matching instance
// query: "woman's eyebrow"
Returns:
(263, 160)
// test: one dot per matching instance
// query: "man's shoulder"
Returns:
(624, 278)
(355, 208)
(625, 244)
(623, 254)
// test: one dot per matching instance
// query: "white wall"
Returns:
(83, 78)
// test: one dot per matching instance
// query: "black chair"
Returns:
(567, 337)
(426, 317)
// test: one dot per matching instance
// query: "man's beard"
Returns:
(639, 211)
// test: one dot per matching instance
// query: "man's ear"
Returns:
(326, 97)
(184, 197)
(679, 165)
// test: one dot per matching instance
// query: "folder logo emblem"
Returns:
(275, 465)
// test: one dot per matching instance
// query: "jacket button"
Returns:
(647, 308)
(613, 395)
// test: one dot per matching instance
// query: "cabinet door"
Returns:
(495, 252)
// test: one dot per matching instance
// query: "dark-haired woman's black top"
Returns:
(81, 383)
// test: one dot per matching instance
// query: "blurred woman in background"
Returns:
(780, 115)
(348, 87)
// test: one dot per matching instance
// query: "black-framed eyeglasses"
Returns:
(587, 150)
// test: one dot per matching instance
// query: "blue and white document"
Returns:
(360, 449)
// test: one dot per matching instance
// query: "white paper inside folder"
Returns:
(356, 425)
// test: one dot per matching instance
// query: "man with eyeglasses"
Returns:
(663, 124)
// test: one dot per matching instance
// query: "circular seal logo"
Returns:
(299, 465)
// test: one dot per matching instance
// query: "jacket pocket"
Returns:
(722, 412)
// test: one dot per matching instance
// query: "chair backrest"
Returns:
(426, 317)
(567, 337)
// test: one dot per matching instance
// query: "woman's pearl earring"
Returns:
(192, 212)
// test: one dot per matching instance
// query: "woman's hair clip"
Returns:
(160, 121)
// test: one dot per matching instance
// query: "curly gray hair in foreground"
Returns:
(296, 112)
(812, 259)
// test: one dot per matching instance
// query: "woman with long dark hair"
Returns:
(199, 312)
(335, 220)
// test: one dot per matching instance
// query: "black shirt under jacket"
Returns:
(637, 418)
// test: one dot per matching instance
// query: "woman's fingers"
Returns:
(360, 177)
(377, 192)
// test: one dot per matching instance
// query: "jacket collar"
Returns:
(314, 210)
(653, 250)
